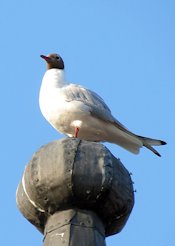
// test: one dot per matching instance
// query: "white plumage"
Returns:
(70, 108)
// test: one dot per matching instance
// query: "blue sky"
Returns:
(124, 50)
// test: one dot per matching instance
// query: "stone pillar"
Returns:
(76, 193)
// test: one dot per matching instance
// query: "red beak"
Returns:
(46, 58)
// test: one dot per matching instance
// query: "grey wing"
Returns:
(99, 109)
(96, 104)
(88, 97)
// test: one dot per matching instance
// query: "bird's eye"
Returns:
(57, 57)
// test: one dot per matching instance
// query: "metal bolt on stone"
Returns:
(75, 192)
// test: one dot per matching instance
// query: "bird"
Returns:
(81, 113)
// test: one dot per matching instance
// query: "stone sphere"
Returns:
(73, 173)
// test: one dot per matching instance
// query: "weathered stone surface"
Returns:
(74, 227)
(72, 173)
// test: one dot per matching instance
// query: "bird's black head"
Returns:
(53, 61)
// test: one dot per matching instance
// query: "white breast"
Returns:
(50, 98)
(63, 115)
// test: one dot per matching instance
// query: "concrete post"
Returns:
(76, 193)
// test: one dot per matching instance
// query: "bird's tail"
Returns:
(148, 142)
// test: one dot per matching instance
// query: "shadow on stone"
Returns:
(75, 189)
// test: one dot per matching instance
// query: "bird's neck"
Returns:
(54, 78)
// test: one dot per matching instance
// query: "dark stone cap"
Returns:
(72, 173)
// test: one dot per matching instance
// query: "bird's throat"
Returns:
(54, 78)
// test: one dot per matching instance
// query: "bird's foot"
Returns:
(76, 130)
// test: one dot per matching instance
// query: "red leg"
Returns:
(76, 130)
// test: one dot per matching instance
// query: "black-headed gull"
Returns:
(78, 112)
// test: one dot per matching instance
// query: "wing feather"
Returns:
(99, 109)
(97, 106)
